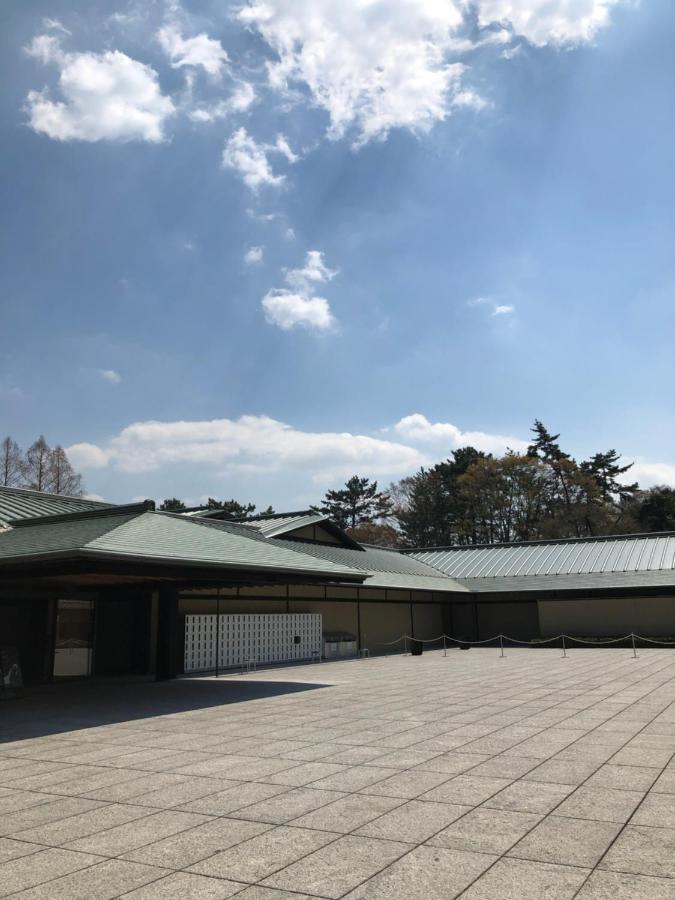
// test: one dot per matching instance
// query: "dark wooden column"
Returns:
(167, 634)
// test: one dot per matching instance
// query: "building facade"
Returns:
(88, 588)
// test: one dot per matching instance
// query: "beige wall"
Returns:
(382, 622)
(336, 616)
(209, 606)
(608, 617)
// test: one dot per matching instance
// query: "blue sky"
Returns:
(250, 249)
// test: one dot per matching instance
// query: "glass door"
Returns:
(74, 634)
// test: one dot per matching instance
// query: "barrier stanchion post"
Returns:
(445, 647)
(501, 644)
(563, 643)
(632, 637)
(405, 644)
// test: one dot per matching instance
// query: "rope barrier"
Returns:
(534, 643)
(652, 641)
(499, 639)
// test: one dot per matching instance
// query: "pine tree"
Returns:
(172, 505)
(604, 468)
(357, 503)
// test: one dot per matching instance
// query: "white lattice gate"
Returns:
(230, 640)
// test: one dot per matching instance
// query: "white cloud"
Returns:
(374, 65)
(282, 147)
(249, 159)
(263, 445)
(200, 50)
(418, 429)
(503, 309)
(242, 97)
(371, 66)
(315, 271)
(105, 96)
(110, 375)
(87, 456)
(247, 441)
(299, 305)
(289, 309)
(544, 22)
(253, 256)
(651, 474)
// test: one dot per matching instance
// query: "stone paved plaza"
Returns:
(531, 777)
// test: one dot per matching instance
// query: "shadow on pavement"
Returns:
(51, 709)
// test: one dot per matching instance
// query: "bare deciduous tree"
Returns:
(11, 463)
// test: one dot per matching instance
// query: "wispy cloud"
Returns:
(496, 309)
(253, 256)
(109, 375)
(247, 157)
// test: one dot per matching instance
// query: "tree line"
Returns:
(470, 498)
(477, 498)
(230, 509)
(39, 468)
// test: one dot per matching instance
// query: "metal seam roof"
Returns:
(506, 564)
(21, 503)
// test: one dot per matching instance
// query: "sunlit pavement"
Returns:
(473, 776)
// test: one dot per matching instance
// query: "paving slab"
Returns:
(337, 868)
(486, 830)
(348, 813)
(406, 777)
(35, 868)
(571, 842)
(432, 873)
(618, 886)
(186, 886)
(188, 847)
(643, 851)
(289, 805)
(518, 879)
(103, 881)
(122, 838)
(254, 859)
(602, 804)
(414, 822)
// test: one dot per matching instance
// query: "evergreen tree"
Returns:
(428, 506)
(357, 503)
(172, 505)
(656, 510)
(604, 469)
(232, 509)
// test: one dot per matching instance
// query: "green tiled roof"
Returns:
(17, 503)
(146, 536)
(386, 568)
